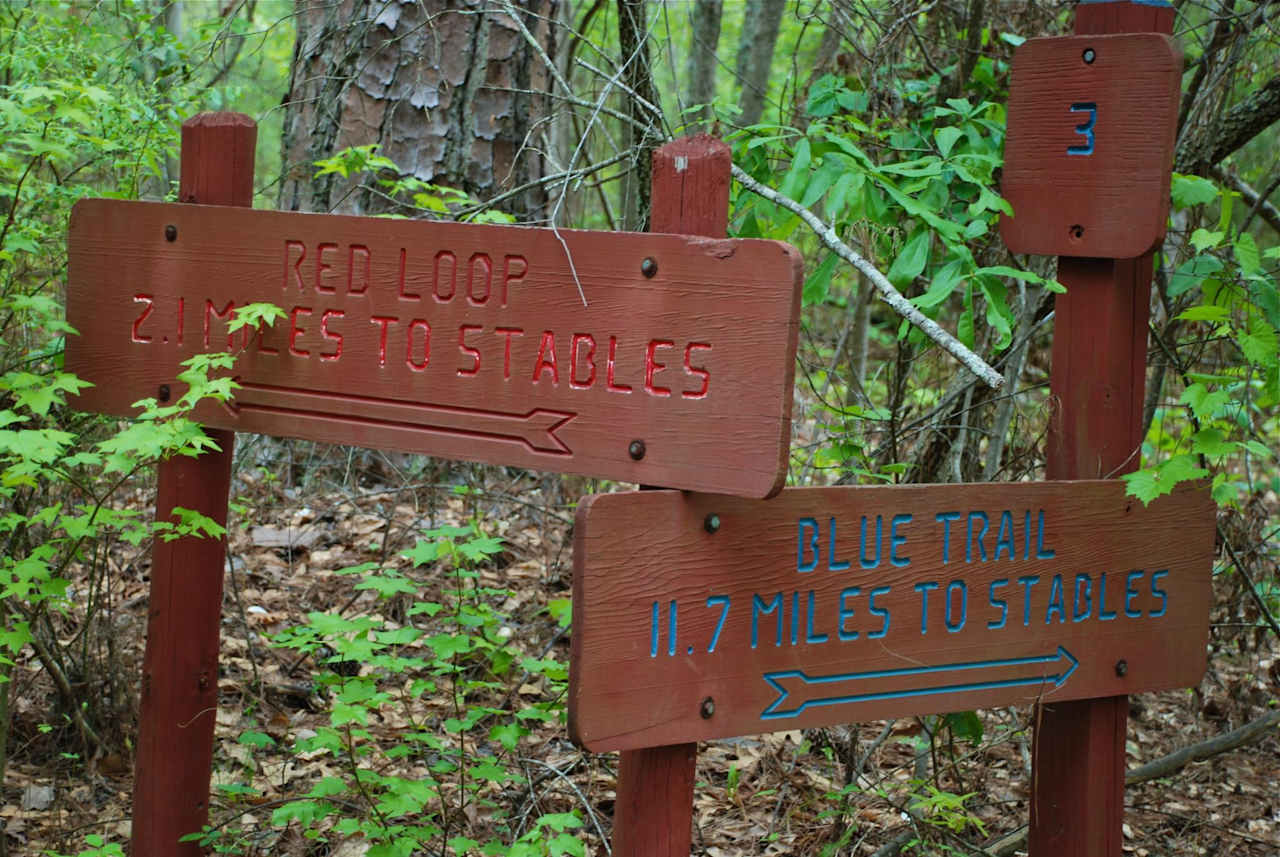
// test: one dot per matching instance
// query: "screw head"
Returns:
(1122, 668)
(1089, 56)
(708, 708)
(649, 266)
(163, 393)
(711, 523)
(636, 450)
(171, 233)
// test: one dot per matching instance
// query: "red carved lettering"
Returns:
(225, 315)
(453, 275)
(507, 332)
(297, 264)
(509, 277)
(331, 335)
(385, 321)
(609, 382)
(363, 252)
(426, 345)
(485, 264)
(294, 330)
(146, 311)
(696, 371)
(589, 340)
(548, 345)
(408, 296)
(322, 266)
(473, 353)
(653, 367)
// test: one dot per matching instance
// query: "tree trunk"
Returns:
(643, 133)
(756, 56)
(701, 68)
(451, 90)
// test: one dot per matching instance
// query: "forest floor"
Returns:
(782, 793)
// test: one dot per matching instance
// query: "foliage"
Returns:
(378, 671)
(1221, 342)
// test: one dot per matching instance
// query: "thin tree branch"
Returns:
(1257, 201)
(1207, 749)
(893, 297)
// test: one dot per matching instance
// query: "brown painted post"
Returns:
(653, 810)
(180, 668)
(1099, 365)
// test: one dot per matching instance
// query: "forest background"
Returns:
(396, 627)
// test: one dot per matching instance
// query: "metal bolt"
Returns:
(163, 393)
(1089, 56)
(204, 681)
(171, 233)
(1122, 667)
(649, 266)
(708, 708)
(1077, 232)
(711, 522)
(636, 450)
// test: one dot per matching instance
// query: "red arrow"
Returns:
(536, 429)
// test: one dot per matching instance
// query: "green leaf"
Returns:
(561, 610)
(559, 821)
(1202, 239)
(508, 734)
(911, 259)
(423, 552)
(966, 725)
(1192, 273)
(1211, 442)
(461, 844)
(1191, 190)
(1259, 343)
(946, 138)
(817, 284)
(1247, 254)
(252, 738)
(1150, 483)
(1205, 313)
(944, 283)
(564, 843)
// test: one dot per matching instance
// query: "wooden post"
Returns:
(1096, 386)
(180, 667)
(653, 810)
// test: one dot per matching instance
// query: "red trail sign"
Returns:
(457, 340)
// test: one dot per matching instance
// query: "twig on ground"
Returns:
(894, 298)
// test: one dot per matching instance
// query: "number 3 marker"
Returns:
(1085, 130)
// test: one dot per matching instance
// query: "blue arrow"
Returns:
(777, 679)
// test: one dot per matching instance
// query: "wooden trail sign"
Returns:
(464, 341)
(699, 617)
(1090, 143)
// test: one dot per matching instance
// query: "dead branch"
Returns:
(894, 298)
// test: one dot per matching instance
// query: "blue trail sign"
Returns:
(699, 616)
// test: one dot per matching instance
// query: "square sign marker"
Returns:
(1089, 144)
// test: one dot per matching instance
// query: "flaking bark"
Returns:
(450, 90)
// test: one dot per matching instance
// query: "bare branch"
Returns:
(894, 298)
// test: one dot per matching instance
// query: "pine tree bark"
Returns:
(451, 90)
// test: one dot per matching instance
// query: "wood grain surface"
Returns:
(965, 611)
(1089, 144)
(462, 341)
